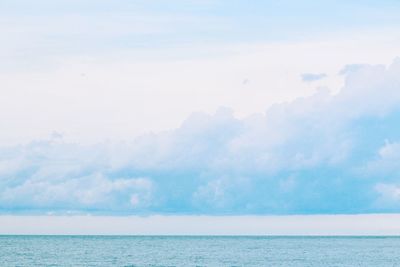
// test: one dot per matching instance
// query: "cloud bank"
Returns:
(323, 154)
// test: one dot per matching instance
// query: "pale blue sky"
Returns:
(87, 26)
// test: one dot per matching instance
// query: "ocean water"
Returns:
(198, 251)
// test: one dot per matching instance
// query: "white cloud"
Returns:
(316, 154)
(122, 94)
(389, 196)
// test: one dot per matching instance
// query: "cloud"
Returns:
(351, 68)
(311, 77)
(326, 153)
(389, 195)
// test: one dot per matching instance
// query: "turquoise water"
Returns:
(198, 251)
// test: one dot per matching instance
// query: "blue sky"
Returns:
(199, 107)
(89, 26)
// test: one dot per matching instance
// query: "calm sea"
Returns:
(198, 251)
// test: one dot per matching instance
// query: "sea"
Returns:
(198, 251)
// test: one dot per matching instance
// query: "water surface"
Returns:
(198, 251)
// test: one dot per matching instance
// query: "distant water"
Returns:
(198, 251)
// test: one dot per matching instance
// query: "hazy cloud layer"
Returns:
(320, 154)
(311, 77)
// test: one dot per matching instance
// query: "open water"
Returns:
(198, 251)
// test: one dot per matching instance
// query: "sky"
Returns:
(190, 108)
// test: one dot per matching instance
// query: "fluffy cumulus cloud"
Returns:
(327, 153)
